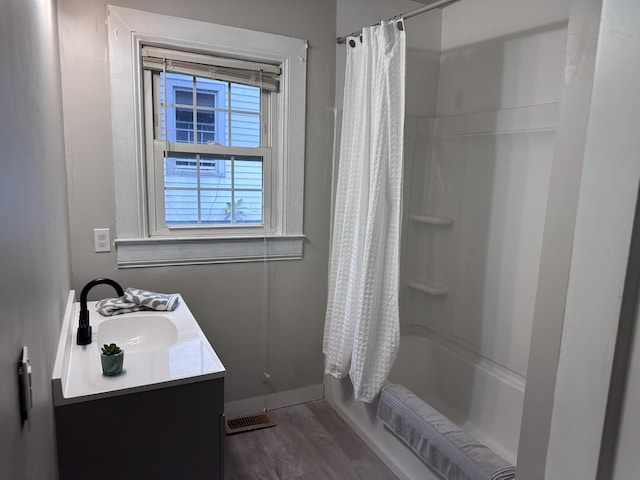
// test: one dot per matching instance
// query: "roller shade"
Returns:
(218, 68)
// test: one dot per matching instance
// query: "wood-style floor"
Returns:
(310, 442)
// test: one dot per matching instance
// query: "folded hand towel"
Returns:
(117, 306)
(151, 300)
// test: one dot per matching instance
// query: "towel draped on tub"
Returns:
(440, 443)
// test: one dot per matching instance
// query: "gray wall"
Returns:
(34, 240)
(252, 313)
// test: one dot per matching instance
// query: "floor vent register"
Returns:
(248, 423)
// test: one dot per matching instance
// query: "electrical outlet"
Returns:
(101, 240)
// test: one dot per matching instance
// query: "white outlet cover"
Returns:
(101, 240)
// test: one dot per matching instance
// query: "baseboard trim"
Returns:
(272, 401)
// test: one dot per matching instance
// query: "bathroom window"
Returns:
(208, 144)
(208, 141)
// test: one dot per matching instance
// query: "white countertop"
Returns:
(172, 357)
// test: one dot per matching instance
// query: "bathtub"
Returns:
(479, 395)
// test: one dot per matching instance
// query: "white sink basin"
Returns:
(162, 349)
(138, 333)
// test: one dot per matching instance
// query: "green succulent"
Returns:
(112, 349)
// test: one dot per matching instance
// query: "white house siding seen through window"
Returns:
(201, 187)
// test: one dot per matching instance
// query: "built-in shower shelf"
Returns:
(432, 219)
(428, 287)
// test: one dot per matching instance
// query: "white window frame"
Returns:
(128, 30)
(155, 151)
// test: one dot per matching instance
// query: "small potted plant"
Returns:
(112, 359)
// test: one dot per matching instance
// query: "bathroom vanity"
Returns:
(162, 418)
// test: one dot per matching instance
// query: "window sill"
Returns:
(156, 252)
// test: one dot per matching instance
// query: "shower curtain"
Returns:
(361, 335)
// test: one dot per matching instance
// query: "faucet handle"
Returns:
(84, 335)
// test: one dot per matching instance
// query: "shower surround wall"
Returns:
(472, 283)
(477, 172)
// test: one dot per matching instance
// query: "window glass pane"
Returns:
(178, 118)
(248, 174)
(212, 93)
(183, 97)
(180, 171)
(216, 206)
(245, 130)
(245, 97)
(222, 128)
(247, 207)
(208, 166)
(206, 126)
(177, 79)
(181, 207)
(179, 90)
(183, 125)
(177, 82)
(220, 177)
(205, 98)
(166, 115)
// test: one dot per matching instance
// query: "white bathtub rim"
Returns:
(513, 378)
(502, 435)
(400, 459)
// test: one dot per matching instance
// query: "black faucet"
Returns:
(84, 329)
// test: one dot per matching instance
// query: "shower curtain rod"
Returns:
(412, 13)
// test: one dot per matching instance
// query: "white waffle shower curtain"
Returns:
(361, 335)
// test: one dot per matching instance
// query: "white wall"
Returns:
(514, 59)
(558, 237)
(34, 238)
(254, 315)
(423, 47)
(600, 251)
